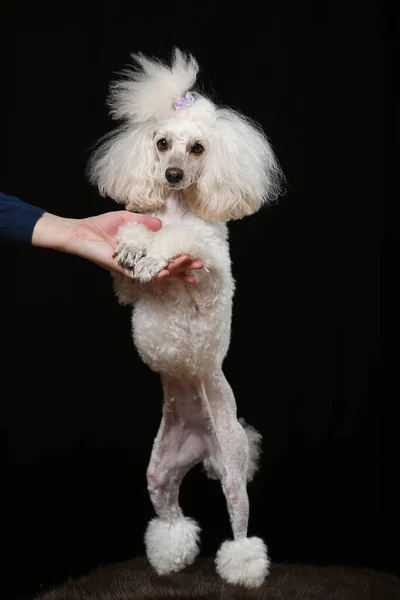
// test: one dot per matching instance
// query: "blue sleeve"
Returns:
(17, 219)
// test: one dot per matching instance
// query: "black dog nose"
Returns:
(174, 175)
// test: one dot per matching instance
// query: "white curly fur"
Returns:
(146, 93)
(195, 169)
(171, 546)
(243, 561)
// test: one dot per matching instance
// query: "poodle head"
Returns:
(173, 139)
(180, 147)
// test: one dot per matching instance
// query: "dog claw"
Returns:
(128, 255)
(148, 267)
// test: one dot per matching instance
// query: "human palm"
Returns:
(94, 238)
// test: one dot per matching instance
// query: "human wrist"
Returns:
(52, 232)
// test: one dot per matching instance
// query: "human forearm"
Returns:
(17, 219)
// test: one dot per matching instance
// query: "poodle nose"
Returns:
(174, 175)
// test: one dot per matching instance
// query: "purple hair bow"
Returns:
(183, 102)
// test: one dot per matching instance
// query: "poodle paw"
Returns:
(149, 267)
(128, 255)
(170, 547)
(243, 562)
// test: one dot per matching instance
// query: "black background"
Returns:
(314, 331)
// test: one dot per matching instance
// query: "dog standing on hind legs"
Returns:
(195, 166)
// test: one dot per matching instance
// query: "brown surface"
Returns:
(134, 580)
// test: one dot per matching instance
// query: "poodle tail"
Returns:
(254, 440)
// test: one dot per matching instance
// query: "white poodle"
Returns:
(195, 166)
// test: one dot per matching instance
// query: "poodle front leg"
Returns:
(133, 241)
(168, 243)
(171, 539)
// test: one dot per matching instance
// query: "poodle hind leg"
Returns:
(242, 560)
(171, 539)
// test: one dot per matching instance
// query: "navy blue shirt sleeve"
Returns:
(17, 219)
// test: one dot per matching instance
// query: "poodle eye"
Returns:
(162, 144)
(197, 148)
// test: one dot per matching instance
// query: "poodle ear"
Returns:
(123, 168)
(241, 172)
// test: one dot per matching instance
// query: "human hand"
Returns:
(181, 267)
(94, 238)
